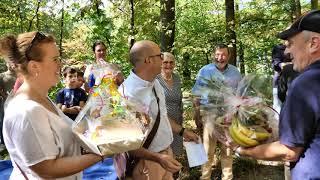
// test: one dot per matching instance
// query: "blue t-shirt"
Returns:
(230, 76)
(299, 124)
(71, 97)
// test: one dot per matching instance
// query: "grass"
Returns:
(243, 168)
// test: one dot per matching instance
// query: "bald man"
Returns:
(155, 162)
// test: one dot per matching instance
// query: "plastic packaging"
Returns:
(242, 116)
(110, 124)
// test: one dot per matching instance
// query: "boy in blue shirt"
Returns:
(71, 99)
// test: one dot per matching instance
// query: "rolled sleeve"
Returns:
(297, 118)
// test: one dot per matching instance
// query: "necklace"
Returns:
(167, 79)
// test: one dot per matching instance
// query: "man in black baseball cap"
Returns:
(299, 124)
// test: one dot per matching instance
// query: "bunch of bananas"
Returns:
(247, 136)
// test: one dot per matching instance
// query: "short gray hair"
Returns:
(168, 55)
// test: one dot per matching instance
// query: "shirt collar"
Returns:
(140, 81)
(313, 65)
(227, 67)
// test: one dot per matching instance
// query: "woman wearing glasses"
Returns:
(37, 134)
(172, 88)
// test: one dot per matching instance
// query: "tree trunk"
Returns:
(314, 4)
(20, 18)
(241, 59)
(295, 9)
(186, 73)
(167, 16)
(230, 30)
(298, 8)
(61, 29)
(240, 53)
(38, 24)
(132, 31)
(36, 14)
(97, 3)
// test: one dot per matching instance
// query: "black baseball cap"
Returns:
(309, 21)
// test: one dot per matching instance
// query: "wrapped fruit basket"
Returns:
(243, 116)
(110, 124)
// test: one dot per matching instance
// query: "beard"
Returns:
(221, 64)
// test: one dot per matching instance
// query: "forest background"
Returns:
(187, 28)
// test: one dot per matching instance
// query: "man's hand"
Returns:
(190, 136)
(198, 119)
(75, 109)
(71, 110)
(196, 113)
(169, 163)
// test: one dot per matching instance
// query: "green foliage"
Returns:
(199, 26)
(53, 91)
(198, 29)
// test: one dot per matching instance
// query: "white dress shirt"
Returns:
(140, 91)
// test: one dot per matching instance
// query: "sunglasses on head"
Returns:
(38, 37)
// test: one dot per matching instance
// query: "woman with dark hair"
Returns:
(38, 136)
(100, 52)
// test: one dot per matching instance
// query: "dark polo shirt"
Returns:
(299, 124)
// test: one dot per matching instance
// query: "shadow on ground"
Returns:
(243, 169)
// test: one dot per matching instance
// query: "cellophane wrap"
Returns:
(240, 116)
(110, 124)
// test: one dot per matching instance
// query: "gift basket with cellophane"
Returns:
(240, 116)
(109, 123)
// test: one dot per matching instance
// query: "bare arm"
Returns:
(273, 151)
(196, 113)
(166, 161)
(64, 166)
(188, 135)
(70, 110)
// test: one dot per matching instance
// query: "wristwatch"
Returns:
(181, 131)
(237, 152)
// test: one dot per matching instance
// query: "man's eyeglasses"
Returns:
(168, 62)
(160, 55)
(36, 39)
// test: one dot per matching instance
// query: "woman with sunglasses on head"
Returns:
(100, 52)
(37, 134)
(171, 84)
